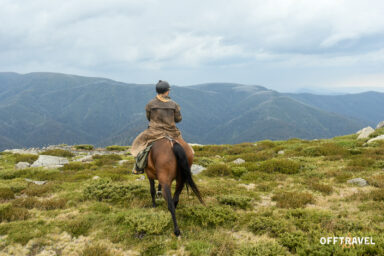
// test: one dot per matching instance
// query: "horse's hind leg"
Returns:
(179, 188)
(158, 193)
(153, 191)
(171, 207)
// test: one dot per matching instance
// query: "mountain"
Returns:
(367, 106)
(38, 109)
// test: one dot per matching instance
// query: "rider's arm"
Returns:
(177, 114)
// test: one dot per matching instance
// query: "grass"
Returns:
(273, 204)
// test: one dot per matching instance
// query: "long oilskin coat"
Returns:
(162, 114)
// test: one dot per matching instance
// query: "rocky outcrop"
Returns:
(380, 137)
(365, 132)
(22, 165)
(238, 161)
(380, 125)
(50, 161)
(196, 169)
(358, 181)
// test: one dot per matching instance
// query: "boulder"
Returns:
(196, 169)
(365, 132)
(358, 181)
(22, 165)
(380, 137)
(380, 125)
(95, 177)
(238, 161)
(121, 162)
(37, 182)
(281, 152)
(50, 161)
(85, 159)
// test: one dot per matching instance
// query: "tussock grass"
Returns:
(57, 152)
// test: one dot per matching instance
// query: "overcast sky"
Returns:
(286, 45)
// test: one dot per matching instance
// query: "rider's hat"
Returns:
(162, 87)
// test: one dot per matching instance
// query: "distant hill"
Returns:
(38, 109)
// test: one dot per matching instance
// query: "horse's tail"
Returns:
(185, 171)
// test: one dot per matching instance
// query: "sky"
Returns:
(285, 45)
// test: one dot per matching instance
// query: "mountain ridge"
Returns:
(50, 108)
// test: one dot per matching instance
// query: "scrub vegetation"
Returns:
(280, 201)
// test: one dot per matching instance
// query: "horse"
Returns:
(170, 160)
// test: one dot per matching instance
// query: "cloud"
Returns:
(126, 39)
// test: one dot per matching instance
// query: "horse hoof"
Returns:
(177, 233)
(158, 194)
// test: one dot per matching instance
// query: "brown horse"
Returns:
(169, 160)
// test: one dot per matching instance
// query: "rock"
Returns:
(142, 177)
(32, 151)
(95, 177)
(195, 144)
(380, 137)
(50, 161)
(217, 156)
(281, 152)
(37, 182)
(380, 125)
(84, 159)
(121, 162)
(365, 132)
(238, 161)
(196, 169)
(22, 165)
(358, 181)
(248, 186)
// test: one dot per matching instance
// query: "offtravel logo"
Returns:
(347, 241)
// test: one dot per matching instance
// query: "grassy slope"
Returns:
(273, 204)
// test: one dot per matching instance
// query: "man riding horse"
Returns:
(162, 153)
(162, 114)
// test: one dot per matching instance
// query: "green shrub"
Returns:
(38, 190)
(204, 161)
(292, 199)
(242, 202)
(29, 158)
(116, 148)
(10, 213)
(26, 202)
(109, 159)
(377, 181)
(280, 165)
(6, 194)
(78, 226)
(148, 221)
(326, 149)
(262, 248)
(219, 169)
(105, 190)
(210, 216)
(57, 152)
(268, 225)
(76, 166)
(264, 144)
(377, 194)
(199, 247)
(361, 162)
(96, 250)
(46, 204)
(237, 172)
(323, 188)
(84, 147)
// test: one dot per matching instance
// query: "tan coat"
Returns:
(162, 114)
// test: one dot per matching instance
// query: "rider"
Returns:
(162, 114)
